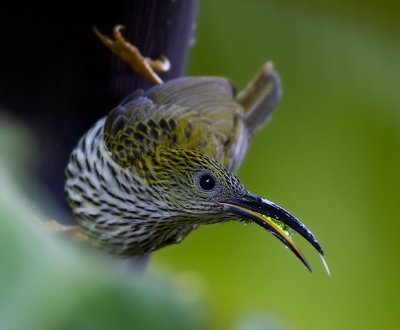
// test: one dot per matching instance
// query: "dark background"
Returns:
(58, 79)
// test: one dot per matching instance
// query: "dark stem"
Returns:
(58, 79)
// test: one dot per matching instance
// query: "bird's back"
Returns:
(199, 114)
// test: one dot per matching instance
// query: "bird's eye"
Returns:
(207, 182)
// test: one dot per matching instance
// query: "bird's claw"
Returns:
(71, 231)
(131, 55)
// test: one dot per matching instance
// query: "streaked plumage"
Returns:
(163, 162)
(120, 166)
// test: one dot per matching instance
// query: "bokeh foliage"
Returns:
(47, 283)
(330, 156)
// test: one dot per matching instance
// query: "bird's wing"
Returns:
(199, 114)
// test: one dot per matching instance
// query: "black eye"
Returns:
(207, 182)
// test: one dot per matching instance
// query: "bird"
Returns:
(163, 162)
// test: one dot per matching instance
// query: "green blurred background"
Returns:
(330, 156)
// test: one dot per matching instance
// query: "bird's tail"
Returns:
(260, 97)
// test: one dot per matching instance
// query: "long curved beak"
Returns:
(274, 219)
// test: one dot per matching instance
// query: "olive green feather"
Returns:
(198, 114)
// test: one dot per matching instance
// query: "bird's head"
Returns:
(198, 190)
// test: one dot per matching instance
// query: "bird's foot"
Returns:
(130, 54)
(72, 231)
